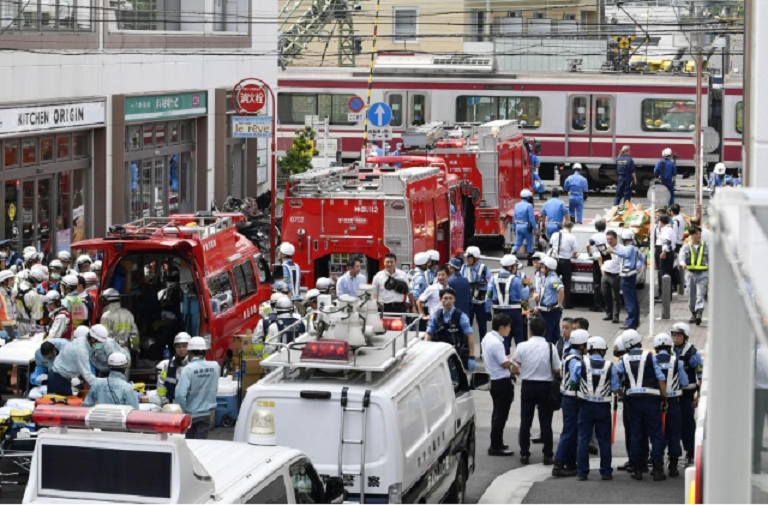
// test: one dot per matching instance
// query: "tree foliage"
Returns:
(298, 158)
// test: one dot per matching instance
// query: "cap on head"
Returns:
(197, 344)
(99, 332)
(421, 259)
(682, 328)
(577, 166)
(631, 338)
(182, 338)
(117, 360)
(627, 235)
(526, 194)
(287, 249)
(508, 260)
(666, 152)
(625, 149)
(455, 263)
(720, 169)
(579, 337)
(661, 340)
(596, 344)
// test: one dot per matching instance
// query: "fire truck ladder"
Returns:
(364, 414)
(312, 25)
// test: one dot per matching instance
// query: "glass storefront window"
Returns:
(62, 147)
(27, 214)
(79, 145)
(63, 230)
(79, 193)
(186, 131)
(160, 134)
(29, 151)
(46, 149)
(11, 210)
(43, 218)
(158, 189)
(148, 136)
(10, 154)
(133, 138)
(173, 127)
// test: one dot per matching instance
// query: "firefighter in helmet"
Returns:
(119, 321)
(61, 322)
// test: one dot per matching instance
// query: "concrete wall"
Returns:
(756, 94)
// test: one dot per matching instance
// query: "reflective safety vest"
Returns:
(502, 293)
(688, 352)
(565, 373)
(694, 263)
(595, 384)
(451, 332)
(668, 365)
(77, 309)
(639, 374)
(293, 278)
(284, 322)
(478, 294)
(170, 380)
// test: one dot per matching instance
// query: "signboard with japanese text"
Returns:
(147, 108)
(251, 127)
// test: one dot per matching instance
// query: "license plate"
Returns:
(582, 288)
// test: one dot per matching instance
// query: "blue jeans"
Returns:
(623, 190)
(522, 234)
(671, 187)
(673, 427)
(478, 309)
(576, 209)
(629, 288)
(594, 417)
(645, 416)
(566, 449)
(552, 319)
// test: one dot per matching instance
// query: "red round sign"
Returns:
(250, 99)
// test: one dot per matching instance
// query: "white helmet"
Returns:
(631, 338)
(525, 194)
(37, 275)
(99, 332)
(579, 337)
(284, 304)
(30, 255)
(618, 345)
(508, 260)
(287, 248)
(52, 296)
(182, 338)
(472, 251)
(28, 249)
(577, 166)
(83, 258)
(64, 256)
(323, 284)
(550, 263)
(720, 169)
(596, 344)
(56, 265)
(433, 255)
(69, 281)
(312, 294)
(5, 275)
(666, 152)
(676, 328)
(96, 267)
(110, 295)
(197, 344)
(81, 331)
(662, 339)
(627, 235)
(90, 277)
(117, 360)
(275, 297)
(420, 259)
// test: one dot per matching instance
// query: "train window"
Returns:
(603, 113)
(477, 109)
(396, 104)
(293, 107)
(418, 110)
(669, 115)
(579, 113)
(740, 117)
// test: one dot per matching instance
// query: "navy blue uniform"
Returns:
(666, 170)
(625, 166)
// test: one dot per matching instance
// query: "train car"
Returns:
(576, 117)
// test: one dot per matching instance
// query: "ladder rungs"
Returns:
(353, 474)
(355, 442)
(354, 409)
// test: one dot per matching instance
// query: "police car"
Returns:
(395, 418)
(141, 457)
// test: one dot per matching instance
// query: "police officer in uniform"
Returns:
(525, 224)
(169, 371)
(625, 166)
(632, 261)
(577, 187)
(666, 170)
(506, 291)
(419, 282)
(693, 366)
(479, 277)
(286, 317)
(268, 315)
(599, 381)
(451, 326)
(551, 301)
(432, 264)
(676, 380)
(644, 386)
(554, 213)
(570, 378)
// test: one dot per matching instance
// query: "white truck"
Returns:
(142, 457)
(395, 418)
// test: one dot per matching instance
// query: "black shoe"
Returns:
(524, 460)
(637, 474)
(563, 472)
(607, 318)
(537, 440)
(615, 321)
(606, 477)
(673, 471)
(569, 307)
(581, 477)
(506, 447)
(548, 460)
(593, 449)
(625, 327)
(693, 318)
(658, 472)
(500, 452)
(698, 318)
(595, 309)
(688, 459)
(626, 467)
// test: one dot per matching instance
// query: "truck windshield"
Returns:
(161, 293)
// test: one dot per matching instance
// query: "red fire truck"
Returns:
(192, 273)
(369, 211)
(492, 157)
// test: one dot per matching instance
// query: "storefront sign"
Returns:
(63, 240)
(147, 108)
(49, 117)
(251, 127)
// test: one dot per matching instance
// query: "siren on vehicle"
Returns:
(111, 418)
(392, 324)
(326, 350)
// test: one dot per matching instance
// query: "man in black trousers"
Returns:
(537, 362)
(497, 364)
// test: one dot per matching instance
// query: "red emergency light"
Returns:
(326, 350)
(451, 144)
(391, 324)
(104, 417)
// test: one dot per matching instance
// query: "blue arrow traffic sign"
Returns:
(473, 100)
(380, 114)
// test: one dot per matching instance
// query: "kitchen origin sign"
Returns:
(51, 117)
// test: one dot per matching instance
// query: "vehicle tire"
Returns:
(227, 421)
(643, 185)
(458, 493)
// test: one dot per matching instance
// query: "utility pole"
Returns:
(699, 156)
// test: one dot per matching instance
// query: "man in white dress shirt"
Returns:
(498, 365)
(611, 283)
(564, 246)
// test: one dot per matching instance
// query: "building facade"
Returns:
(114, 111)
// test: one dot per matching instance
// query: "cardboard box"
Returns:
(251, 366)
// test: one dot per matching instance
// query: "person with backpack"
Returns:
(479, 277)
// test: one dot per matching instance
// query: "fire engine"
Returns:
(493, 158)
(192, 273)
(371, 210)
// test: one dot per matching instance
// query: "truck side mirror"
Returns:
(479, 380)
(335, 491)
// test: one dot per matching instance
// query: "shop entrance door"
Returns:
(36, 204)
